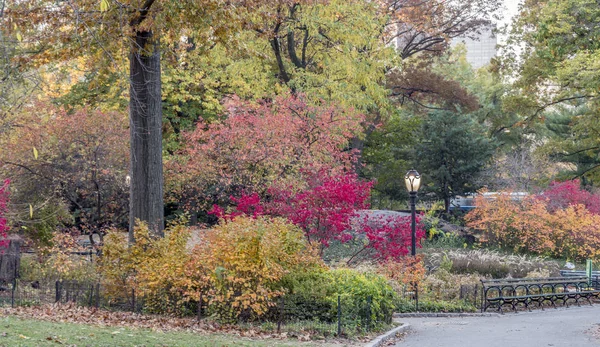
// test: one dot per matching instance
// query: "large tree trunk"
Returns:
(145, 117)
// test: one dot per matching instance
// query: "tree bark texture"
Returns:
(145, 119)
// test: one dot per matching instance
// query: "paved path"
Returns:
(563, 327)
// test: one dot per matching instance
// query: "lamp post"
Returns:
(413, 182)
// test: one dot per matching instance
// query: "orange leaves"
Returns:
(529, 225)
(406, 271)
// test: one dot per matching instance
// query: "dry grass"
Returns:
(491, 263)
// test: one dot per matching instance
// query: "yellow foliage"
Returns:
(151, 266)
(238, 266)
(58, 261)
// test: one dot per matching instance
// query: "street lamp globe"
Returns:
(413, 181)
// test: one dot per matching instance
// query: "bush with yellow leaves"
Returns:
(238, 267)
(150, 267)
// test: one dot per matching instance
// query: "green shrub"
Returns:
(445, 241)
(367, 300)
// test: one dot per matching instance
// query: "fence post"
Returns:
(199, 313)
(14, 284)
(369, 300)
(339, 327)
(12, 294)
(97, 295)
(58, 289)
(416, 297)
(280, 320)
(482, 297)
(91, 301)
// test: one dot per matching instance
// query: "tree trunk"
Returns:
(446, 198)
(145, 119)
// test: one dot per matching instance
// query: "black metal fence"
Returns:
(290, 314)
(417, 297)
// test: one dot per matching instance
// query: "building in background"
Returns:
(482, 49)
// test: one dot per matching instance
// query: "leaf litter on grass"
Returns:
(71, 313)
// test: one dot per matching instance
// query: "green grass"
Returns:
(28, 332)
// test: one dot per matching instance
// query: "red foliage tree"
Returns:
(324, 210)
(327, 210)
(61, 161)
(561, 195)
(258, 145)
(390, 236)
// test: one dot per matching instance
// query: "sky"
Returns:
(511, 8)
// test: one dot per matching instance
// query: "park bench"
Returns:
(498, 293)
(573, 273)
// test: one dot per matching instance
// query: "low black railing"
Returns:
(498, 293)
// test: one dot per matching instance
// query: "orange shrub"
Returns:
(577, 233)
(406, 271)
(528, 225)
(238, 266)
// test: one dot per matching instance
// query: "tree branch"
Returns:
(143, 13)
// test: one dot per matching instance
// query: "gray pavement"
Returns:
(562, 327)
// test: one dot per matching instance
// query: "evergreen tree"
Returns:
(452, 152)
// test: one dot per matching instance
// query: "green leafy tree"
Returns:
(558, 71)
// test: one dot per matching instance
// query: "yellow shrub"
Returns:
(238, 266)
(153, 267)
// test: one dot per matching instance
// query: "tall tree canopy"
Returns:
(109, 32)
(557, 66)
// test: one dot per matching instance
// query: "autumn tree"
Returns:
(423, 30)
(556, 71)
(114, 31)
(328, 209)
(257, 145)
(428, 26)
(61, 162)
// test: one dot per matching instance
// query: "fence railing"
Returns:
(292, 314)
(467, 294)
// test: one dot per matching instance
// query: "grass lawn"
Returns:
(29, 332)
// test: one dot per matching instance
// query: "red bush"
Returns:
(561, 195)
(327, 210)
